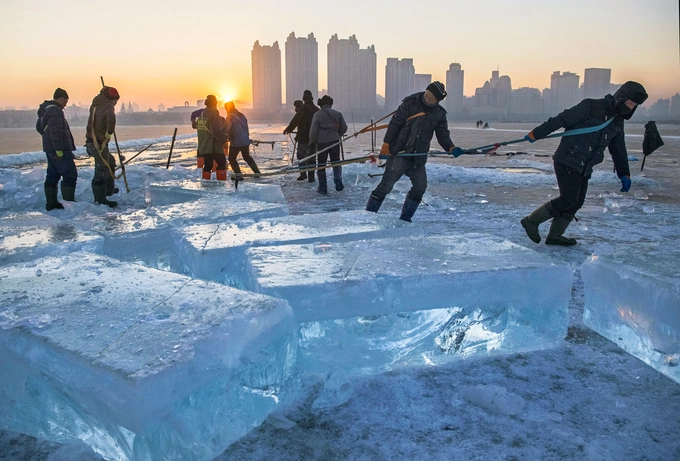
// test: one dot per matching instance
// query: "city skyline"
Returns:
(156, 52)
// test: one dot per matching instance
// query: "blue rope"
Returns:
(576, 132)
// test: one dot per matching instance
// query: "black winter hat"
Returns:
(307, 96)
(60, 93)
(325, 101)
(437, 89)
(630, 90)
(298, 103)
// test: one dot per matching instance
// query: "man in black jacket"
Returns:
(418, 118)
(58, 145)
(576, 156)
(302, 120)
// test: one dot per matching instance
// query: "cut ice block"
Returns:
(90, 349)
(635, 303)
(170, 192)
(27, 236)
(375, 304)
(148, 236)
(217, 252)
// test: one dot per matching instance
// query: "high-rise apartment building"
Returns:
(455, 78)
(266, 63)
(302, 67)
(596, 82)
(399, 81)
(564, 92)
(421, 81)
(351, 76)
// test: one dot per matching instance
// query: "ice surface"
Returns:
(90, 349)
(635, 303)
(377, 304)
(27, 236)
(149, 236)
(188, 191)
(217, 252)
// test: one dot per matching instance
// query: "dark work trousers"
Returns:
(64, 169)
(573, 188)
(220, 159)
(245, 153)
(102, 175)
(396, 167)
(322, 158)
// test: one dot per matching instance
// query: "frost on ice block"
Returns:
(27, 236)
(148, 236)
(189, 191)
(380, 303)
(92, 349)
(217, 252)
(635, 303)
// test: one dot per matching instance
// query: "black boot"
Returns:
(310, 163)
(111, 186)
(51, 202)
(337, 177)
(538, 216)
(68, 193)
(408, 209)
(323, 186)
(557, 228)
(99, 191)
(302, 176)
(373, 203)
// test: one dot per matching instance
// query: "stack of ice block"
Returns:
(92, 349)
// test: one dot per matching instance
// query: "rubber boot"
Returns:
(110, 186)
(51, 202)
(221, 175)
(557, 228)
(539, 215)
(373, 203)
(408, 209)
(302, 176)
(68, 193)
(337, 177)
(323, 185)
(99, 192)
(206, 175)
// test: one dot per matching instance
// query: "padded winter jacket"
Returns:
(102, 117)
(55, 131)
(211, 132)
(328, 125)
(237, 129)
(409, 134)
(302, 121)
(583, 152)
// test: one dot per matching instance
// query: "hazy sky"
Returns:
(173, 51)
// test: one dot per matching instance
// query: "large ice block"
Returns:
(380, 303)
(178, 191)
(635, 303)
(217, 252)
(149, 236)
(90, 349)
(27, 236)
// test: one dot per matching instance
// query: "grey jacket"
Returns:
(328, 125)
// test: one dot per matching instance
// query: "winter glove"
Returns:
(530, 137)
(60, 154)
(626, 183)
(456, 151)
(385, 150)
